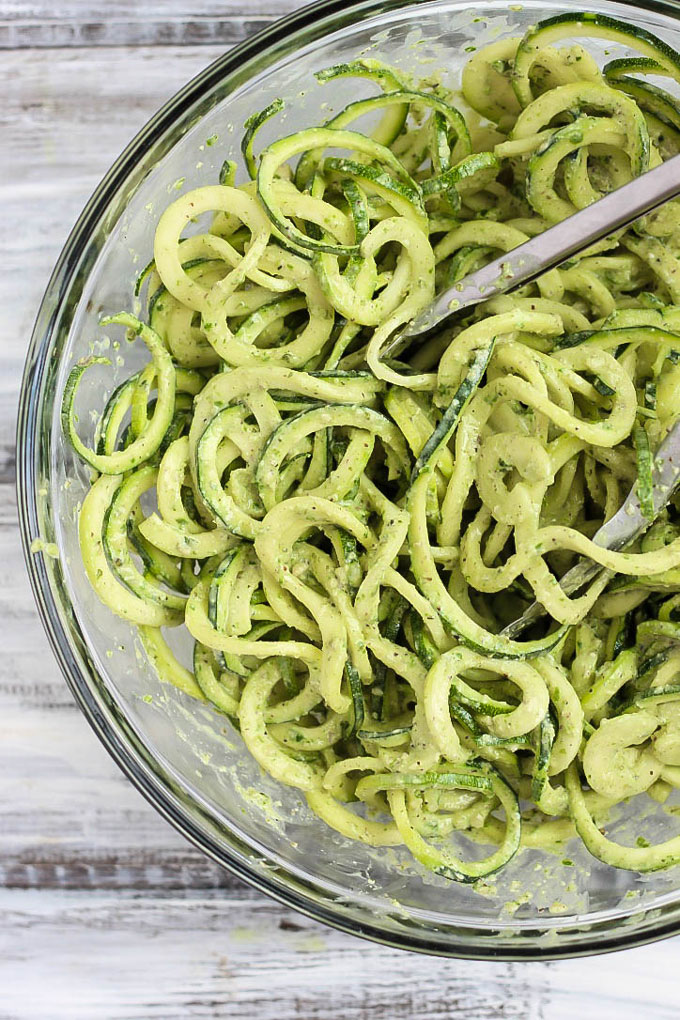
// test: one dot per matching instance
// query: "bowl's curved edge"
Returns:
(152, 781)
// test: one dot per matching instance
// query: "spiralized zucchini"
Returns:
(345, 536)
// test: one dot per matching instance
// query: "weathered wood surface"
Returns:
(75, 957)
(125, 22)
(105, 912)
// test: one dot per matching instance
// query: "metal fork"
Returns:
(571, 237)
(524, 264)
(627, 524)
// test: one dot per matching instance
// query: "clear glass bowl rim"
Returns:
(67, 641)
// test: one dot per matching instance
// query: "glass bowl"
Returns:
(185, 759)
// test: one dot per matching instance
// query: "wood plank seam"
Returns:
(182, 31)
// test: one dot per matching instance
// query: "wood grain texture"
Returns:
(45, 11)
(69, 956)
(105, 912)
(81, 24)
(94, 831)
(55, 150)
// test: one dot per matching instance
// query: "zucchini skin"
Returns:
(345, 536)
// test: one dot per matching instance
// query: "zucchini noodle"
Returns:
(345, 536)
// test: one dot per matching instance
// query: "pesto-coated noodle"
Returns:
(345, 536)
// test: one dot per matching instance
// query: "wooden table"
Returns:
(105, 912)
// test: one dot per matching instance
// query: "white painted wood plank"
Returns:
(187, 29)
(66, 956)
(55, 150)
(48, 128)
(68, 817)
(123, 22)
(107, 912)
(132, 10)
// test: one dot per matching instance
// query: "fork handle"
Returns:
(572, 235)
